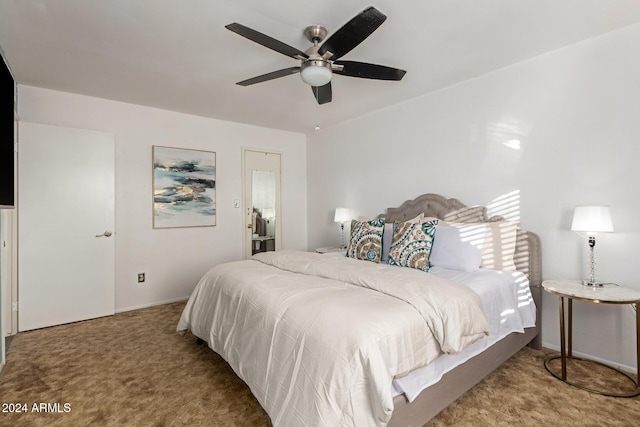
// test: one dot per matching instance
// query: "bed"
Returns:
(333, 340)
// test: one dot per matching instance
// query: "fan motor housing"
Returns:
(315, 33)
(315, 63)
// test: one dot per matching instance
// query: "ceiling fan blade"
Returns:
(353, 33)
(269, 76)
(266, 41)
(322, 93)
(369, 71)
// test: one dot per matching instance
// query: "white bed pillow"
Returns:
(458, 247)
(499, 244)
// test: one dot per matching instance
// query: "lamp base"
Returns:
(593, 284)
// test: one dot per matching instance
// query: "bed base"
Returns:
(456, 382)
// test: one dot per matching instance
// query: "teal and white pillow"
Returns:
(412, 243)
(366, 240)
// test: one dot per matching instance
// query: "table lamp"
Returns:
(592, 219)
(342, 215)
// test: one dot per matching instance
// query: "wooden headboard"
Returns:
(528, 254)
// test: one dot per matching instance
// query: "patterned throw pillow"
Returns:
(366, 240)
(411, 245)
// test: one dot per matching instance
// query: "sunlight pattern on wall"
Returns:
(506, 205)
(514, 144)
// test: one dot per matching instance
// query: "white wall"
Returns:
(575, 112)
(173, 259)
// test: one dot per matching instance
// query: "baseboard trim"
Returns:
(152, 304)
(625, 368)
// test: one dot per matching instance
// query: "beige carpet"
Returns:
(132, 369)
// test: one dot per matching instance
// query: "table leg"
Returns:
(563, 356)
(570, 338)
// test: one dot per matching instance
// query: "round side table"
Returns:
(574, 290)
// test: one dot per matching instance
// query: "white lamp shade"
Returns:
(592, 219)
(342, 215)
(268, 213)
(316, 76)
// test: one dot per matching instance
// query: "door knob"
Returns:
(249, 225)
(105, 234)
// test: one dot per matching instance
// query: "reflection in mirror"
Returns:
(263, 200)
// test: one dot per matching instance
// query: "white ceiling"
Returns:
(177, 55)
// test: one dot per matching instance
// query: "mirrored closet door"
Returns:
(263, 225)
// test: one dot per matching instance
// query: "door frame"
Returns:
(246, 203)
(9, 273)
(9, 258)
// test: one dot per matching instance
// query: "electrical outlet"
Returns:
(140, 277)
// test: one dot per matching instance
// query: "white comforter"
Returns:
(319, 339)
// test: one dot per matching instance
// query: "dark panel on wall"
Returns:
(7, 108)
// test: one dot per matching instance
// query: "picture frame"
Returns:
(184, 187)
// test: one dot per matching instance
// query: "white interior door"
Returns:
(261, 199)
(66, 249)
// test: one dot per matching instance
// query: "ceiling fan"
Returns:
(320, 61)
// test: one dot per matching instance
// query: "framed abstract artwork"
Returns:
(184, 187)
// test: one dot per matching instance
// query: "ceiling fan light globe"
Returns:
(315, 73)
